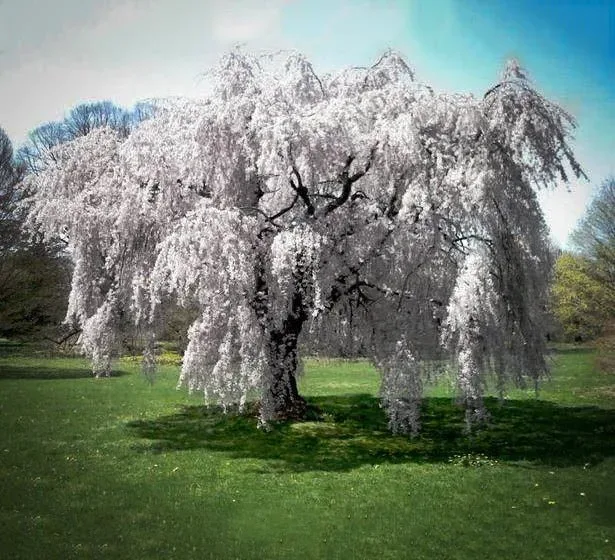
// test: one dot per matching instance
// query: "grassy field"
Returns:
(118, 468)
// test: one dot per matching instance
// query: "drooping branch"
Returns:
(394, 203)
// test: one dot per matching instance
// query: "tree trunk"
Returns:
(281, 399)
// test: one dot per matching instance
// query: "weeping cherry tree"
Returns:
(358, 211)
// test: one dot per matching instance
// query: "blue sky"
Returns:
(54, 55)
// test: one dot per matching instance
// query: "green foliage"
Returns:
(163, 358)
(581, 302)
(118, 468)
(584, 289)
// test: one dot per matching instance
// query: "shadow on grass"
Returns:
(13, 348)
(352, 431)
(19, 371)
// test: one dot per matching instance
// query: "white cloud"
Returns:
(72, 51)
(244, 21)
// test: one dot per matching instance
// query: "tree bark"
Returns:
(281, 398)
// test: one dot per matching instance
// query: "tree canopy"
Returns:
(582, 303)
(360, 210)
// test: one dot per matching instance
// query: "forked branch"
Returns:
(348, 180)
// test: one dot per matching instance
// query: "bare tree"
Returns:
(38, 151)
(595, 235)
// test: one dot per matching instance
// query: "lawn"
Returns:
(119, 468)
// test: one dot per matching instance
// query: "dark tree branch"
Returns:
(64, 338)
(480, 238)
(284, 210)
(299, 187)
(347, 180)
(302, 192)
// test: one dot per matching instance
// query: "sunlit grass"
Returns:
(118, 468)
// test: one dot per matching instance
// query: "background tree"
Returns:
(34, 276)
(82, 119)
(582, 304)
(594, 237)
(293, 207)
(584, 281)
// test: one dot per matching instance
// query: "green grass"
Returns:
(118, 468)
